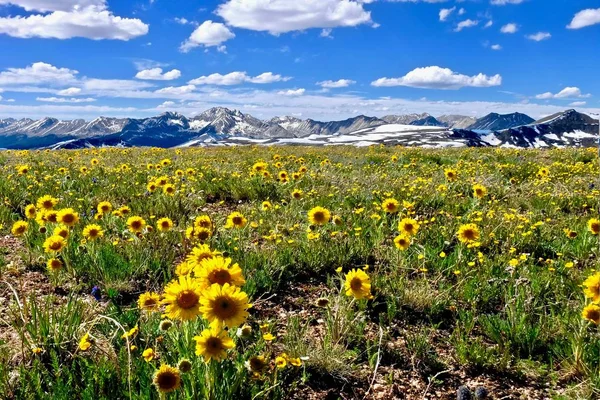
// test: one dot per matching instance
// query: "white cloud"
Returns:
(538, 37)
(496, 47)
(341, 83)
(237, 78)
(166, 104)
(445, 13)
(509, 28)
(183, 21)
(468, 23)
(53, 5)
(176, 90)
(462, 11)
(92, 22)
(326, 33)
(504, 2)
(209, 34)
(489, 24)
(69, 91)
(38, 73)
(156, 74)
(585, 18)
(65, 99)
(570, 92)
(578, 104)
(292, 92)
(268, 77)
(434, 77)
(280, 16)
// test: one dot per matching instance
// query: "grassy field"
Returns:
(295, 272)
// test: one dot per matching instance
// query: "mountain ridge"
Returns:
(220, 125)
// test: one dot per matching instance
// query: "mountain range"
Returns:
(222, 126)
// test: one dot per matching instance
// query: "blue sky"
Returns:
(322, 59)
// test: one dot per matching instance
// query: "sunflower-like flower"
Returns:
(61, 230)
(390, 206)
(182, 299)
(19, 228)
(54, 265)
(93, 232)
(54, 244)
(104, 207)
(468, 233)
(402, 242)
(164, 224)
(136, 224)
(479, 191)
(319, 216)
(218, 270)
(358, 284)
(591, 312)
(408, 227)
(67, 216)
(236, 220)
(199, 254)
(203, 221)
(30, 211)
(451, 175)
(594, 226)
(213, 343)
(46, 202)
(225, 305)
(167, 379)
(149, 301)
(591, 287)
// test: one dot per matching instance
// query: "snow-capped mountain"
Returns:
(457, 121)
(568, 128)
(221, 126)
(496, 122)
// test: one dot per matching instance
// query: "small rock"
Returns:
(463, 393)
(481, 393)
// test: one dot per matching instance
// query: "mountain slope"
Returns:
(568, 128)
(496, 122)
(457, 121)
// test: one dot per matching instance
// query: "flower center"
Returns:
(187, 299)
(356, 284)
(221, 276)
(225, 308)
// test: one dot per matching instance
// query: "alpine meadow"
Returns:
(299, 200)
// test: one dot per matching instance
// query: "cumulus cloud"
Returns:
(72, 91)
(578, 104)
(292, 92)
(341, 83)
(280, 16)
(445, 13)
(585, 18)
(509, 28)
(166, 104)
(435, 77)
(496, 47)
(570, 92)
(92, 22)
(468, 23)
(53, 5)
(66, 99)
(176, 90)
(156, 74)
(209, 34)
(38, 73)
(237, 78)
(99, 85)
(538, 37)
